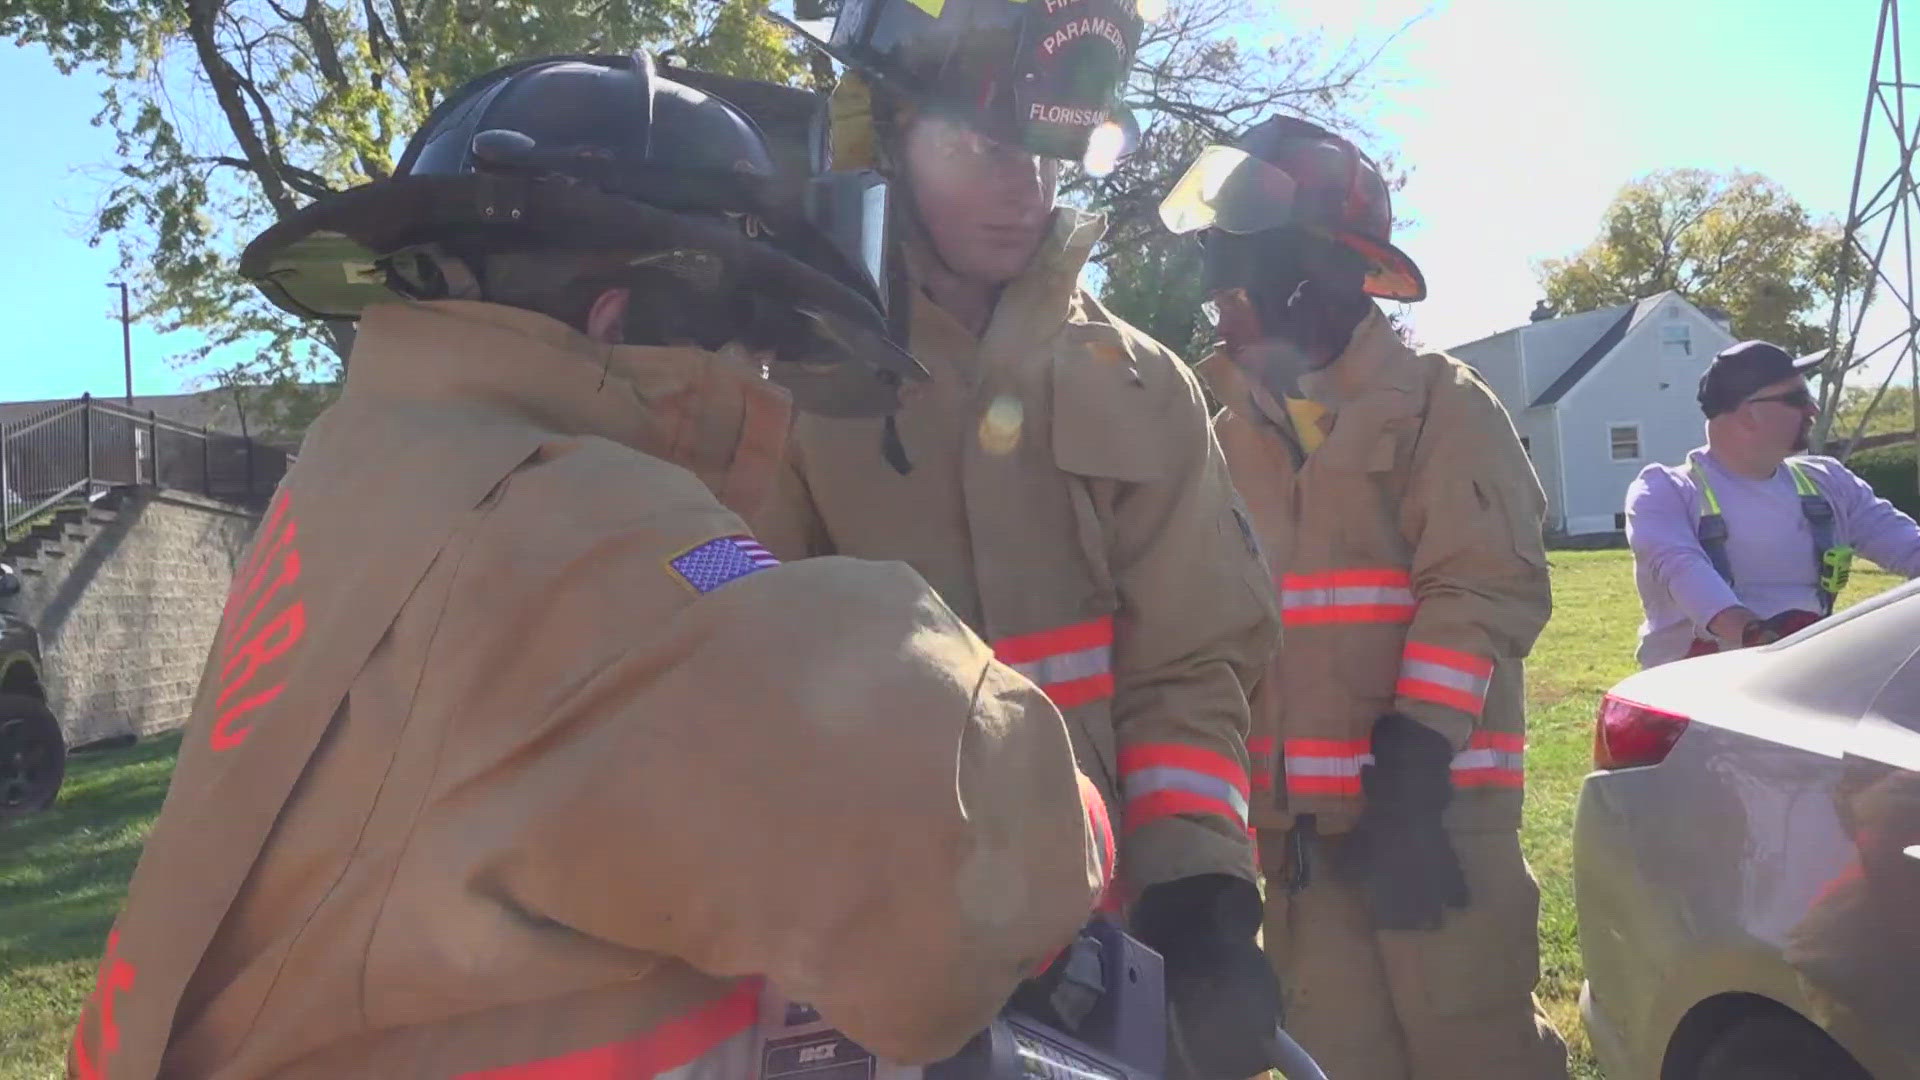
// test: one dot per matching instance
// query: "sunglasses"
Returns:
(1796, 399)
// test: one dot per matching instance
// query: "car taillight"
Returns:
(1629, 734)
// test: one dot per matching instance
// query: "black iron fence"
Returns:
(74, 450)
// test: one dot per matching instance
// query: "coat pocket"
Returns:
(1106, 422)
(1106, 433)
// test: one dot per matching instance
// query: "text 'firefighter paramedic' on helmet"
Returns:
(1289, 173)
(1044, 75)
(603, 154)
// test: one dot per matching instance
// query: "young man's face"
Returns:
(1284, 322)
(1781, 415)
(986, 205)
(1270, 359)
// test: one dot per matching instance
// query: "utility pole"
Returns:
(126, 335)
(1877, 254)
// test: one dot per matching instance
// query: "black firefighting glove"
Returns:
(1399, 852)
(1223, 1000)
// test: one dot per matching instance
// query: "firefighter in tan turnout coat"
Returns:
(516, 757)
(1402, 520)
(1056, 480)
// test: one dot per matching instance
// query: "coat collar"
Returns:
(714, 414)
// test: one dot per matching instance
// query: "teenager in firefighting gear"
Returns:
(515, 754)
(1403, 522)
(1056, 479)
(1751, 538)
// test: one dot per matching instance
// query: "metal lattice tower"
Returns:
(1880, 231)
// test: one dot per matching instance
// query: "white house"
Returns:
(1596, 396)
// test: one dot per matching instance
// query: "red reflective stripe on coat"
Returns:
(1509, 742)
(1063, 639)
(1067, 695)
(1332, 766)
(1445, 677)
(1341, 614)
(1142, 756)
(673, 1044)
(1420, 690)
(1261, 749)
(1323, 785)
(1327, 747)
(1326, 766)
(1369, 595)
(1478, 666)
(1491, 759)
(1149, 771)
(1072, 665)
(1165, 804)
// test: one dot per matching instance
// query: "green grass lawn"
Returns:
(62, 873)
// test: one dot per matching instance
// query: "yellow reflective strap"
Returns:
(931, 7)
(1709, 504)
(1802, 483)
(1306, 416)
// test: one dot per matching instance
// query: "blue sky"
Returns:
(1520, 120)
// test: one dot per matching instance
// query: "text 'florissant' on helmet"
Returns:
(1042, 74)
(1289, 173)
(604, 154)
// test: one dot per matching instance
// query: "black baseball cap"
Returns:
(1740, 371)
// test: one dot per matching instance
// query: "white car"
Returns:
(1747, 859)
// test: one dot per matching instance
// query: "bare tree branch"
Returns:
(226, 90)
(307, 183)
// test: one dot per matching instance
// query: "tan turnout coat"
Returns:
(1407, 555)
(1067, 498)
(516, 757)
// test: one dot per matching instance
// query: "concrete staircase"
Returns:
(43, 549)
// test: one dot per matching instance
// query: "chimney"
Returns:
(1542, 311)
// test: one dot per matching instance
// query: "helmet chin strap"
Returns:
(908, 220)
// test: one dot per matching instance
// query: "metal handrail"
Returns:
(112, 446)
(148, 419)
(44, 505)
(45, 418)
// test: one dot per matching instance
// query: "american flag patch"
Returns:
(718, 561)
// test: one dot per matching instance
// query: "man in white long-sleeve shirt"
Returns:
(1747, 540)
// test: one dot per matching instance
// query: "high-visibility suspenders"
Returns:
(1832, 563)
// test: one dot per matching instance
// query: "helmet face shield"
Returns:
(1228, 189)
(851, 211)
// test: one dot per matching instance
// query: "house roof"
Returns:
(1629, 317)
(1608, 325)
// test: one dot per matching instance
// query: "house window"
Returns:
(1624, 441)
(1676, 341)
